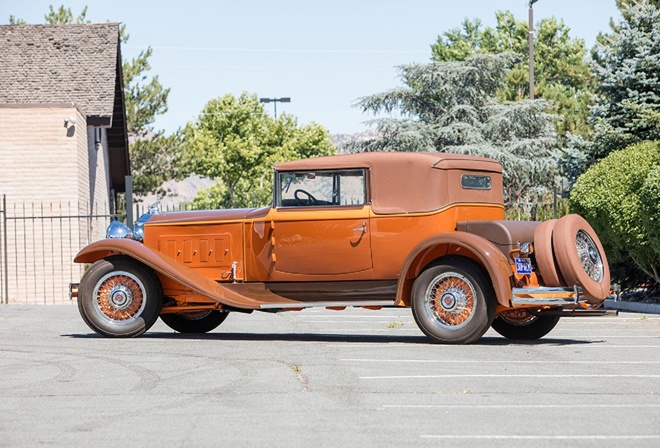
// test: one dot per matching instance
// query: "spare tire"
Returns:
(545, 258)
(580, 257)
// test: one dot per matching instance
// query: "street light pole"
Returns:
(531, 48)
(275, 101)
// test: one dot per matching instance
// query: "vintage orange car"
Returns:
(373, 230)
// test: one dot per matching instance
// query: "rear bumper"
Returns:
(554, 296)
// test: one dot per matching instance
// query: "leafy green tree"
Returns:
(236, 142)
(154, 161)
(619, 196)
(627, 109)
(451, 107)
(562, 74)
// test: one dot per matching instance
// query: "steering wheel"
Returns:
(310, 200)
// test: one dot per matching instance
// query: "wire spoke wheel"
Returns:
(119, 297)
(450, 298)
(453, 301)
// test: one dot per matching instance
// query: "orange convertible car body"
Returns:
(373, 230)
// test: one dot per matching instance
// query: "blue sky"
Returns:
(323, 55)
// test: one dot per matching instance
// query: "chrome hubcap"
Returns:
(120, 297)
(590, 258)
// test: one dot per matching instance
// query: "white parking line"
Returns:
(473, 361)
(542, 437)
(405, 377)
(519, 406)
(511, 345)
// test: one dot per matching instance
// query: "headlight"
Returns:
(138, 227)
(118, 229)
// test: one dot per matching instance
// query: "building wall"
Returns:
(39, 156)
(49, 174)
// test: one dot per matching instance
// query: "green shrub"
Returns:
(615, 196)
(650, 197)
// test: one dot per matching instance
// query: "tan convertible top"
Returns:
(407, 182)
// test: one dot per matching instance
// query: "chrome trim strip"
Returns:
(295, 305)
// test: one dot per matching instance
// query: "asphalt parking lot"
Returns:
(326, 378)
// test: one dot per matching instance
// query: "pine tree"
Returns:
(627, 68)
(451, 107)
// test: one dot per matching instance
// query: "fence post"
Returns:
(129, 201)
(5, 268)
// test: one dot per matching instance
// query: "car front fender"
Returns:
(166, 266)
(464, 244)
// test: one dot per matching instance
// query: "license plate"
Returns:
(523, 266)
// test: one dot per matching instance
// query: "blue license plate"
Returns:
(523, 266)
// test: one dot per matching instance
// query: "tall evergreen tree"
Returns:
(627, 68)
(451, 107)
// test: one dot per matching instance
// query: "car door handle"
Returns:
(362, 229)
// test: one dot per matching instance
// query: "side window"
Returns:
(473, 182)
(322, 188)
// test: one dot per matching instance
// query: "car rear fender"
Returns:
(463, 244)
(166, 266)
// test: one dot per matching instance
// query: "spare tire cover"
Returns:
(580, 257)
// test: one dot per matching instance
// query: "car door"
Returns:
(321, 224)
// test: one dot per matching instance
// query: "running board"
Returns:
(322, 304)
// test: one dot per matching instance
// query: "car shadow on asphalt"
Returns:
(338, 338)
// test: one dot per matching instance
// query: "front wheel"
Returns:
(452, 302)
(119, 297)
(194, 322)
(521, 325)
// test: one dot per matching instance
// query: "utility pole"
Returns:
(531, 48)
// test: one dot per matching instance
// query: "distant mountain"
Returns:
(340, 140)
(178, 191)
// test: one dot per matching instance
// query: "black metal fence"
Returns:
(37, 244)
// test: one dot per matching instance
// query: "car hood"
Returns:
(207, 216)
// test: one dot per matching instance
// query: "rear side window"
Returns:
(322, 188)
(475, 182)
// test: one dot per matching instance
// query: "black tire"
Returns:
(194, 322)
(119, 297)
(453, 301)
(521, 325)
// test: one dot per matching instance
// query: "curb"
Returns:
(633, 307)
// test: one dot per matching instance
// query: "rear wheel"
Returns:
(119, 297)
(452, 302)
(194, 321)
(522, 325)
